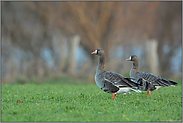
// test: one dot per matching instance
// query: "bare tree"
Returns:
(34, 27)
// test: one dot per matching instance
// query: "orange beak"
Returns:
(128, 59)
(94, 52)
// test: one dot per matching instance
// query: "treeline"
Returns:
(41, 39)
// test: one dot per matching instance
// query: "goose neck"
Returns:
(101, 63)
(135, 65)
(135, 68)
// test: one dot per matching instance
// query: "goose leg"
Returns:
(148, 93)
(114, 95)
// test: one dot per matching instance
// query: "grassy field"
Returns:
(86, 102)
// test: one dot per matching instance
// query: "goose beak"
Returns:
(129, 59)
(94, 52)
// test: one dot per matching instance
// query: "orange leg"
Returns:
(148, 93)
(114, 95)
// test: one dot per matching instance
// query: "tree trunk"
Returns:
(73, 45)
(152, 56)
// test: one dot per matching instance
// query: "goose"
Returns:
(111, 82)
(148, 81)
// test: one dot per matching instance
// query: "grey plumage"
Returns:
(148, 81)
(111, 82)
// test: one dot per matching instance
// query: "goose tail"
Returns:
(173, 83)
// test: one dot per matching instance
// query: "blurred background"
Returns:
(55, 39)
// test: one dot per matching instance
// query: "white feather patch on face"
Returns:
(130, 58)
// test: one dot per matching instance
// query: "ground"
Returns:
(87, 103)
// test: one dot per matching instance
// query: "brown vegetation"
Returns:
(31, 28)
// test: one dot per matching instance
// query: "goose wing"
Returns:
(118, 80)
(152, 79)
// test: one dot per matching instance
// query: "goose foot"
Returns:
(114, 95)
(148, 93)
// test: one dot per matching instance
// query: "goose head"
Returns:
(132, 58)
(98, 51)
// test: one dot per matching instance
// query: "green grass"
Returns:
(87, 103)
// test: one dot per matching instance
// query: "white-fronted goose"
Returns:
(148, 82)
(111, 82)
